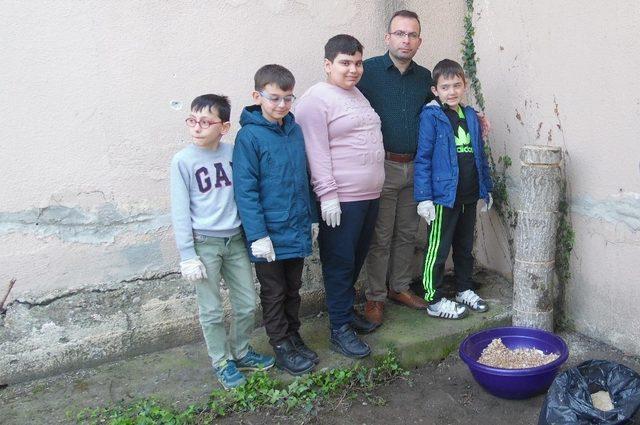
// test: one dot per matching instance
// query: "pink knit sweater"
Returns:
(343, 142)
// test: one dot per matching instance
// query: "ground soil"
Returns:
(442, 394)
(437, 393)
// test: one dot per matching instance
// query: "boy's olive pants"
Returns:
(225, 258)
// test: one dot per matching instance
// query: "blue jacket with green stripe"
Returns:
(436, 162)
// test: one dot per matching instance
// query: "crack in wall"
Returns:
(48, 299)
(130, 329)
(79, 225)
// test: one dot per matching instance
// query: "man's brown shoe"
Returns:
(373, 311)
(408, 299)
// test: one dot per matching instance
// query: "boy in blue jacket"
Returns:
(451, 174)
(273, 198)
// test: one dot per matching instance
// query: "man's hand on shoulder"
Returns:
(485, 125)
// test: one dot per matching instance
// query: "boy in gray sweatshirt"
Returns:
(210, 240)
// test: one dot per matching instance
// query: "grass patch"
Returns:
(305, 394)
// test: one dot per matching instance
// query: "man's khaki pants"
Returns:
(392, 246)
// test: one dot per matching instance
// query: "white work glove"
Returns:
(193, 269)
(487, 205)
(331, 212)
(427, 210)
(263, 248)
(315, 229)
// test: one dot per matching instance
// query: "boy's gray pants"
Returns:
(225, 258)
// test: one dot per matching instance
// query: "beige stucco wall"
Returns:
(565, 73)
(94, 94)
(94, 97)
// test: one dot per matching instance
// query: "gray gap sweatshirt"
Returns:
(202, 195)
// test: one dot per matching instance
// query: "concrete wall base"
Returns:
(58, 332)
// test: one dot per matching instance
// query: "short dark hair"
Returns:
(213, 102)
(342, 43)
(404, 14)
(274, 74)
(446, 68)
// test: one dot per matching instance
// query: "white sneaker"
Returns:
(471, 299)
(447, 309)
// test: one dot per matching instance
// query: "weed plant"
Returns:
(304, 396)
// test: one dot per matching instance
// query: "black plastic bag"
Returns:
(568, 400)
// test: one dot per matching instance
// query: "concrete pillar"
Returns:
(535, 242)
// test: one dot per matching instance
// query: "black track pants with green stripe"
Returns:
(452, 228)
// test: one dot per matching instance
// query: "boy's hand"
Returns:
(263, 248)
(193, 269)
(485, 125)
(427, 210)
(315, 229)
(331, 212)
(487, 205)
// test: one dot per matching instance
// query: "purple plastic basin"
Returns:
(514, 383)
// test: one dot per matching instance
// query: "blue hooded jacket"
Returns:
(436, 162)
(271, 184)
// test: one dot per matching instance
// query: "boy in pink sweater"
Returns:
(344, 147)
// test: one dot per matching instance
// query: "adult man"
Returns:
(397, 88)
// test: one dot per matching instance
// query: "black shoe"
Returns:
(290, 360)
(302, 348)
(344, 340)
(361, 325)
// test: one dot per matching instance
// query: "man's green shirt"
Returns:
(398, 99)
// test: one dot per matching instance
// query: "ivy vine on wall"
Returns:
(565, 237)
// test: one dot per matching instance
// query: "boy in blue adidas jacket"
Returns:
(451, 174)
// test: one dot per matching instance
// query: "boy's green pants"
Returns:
(225, 258)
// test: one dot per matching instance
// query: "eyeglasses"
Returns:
(191, 122)
(277, 99)
(402, 34)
